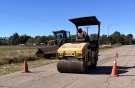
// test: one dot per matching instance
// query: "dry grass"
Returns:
(15, 54)
(10, 68)
(107, 47)
(25, 51)
(12, 57)
(16, 51)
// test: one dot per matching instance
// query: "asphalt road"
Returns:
(48, 77)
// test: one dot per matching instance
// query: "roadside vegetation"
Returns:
(12, 57)
(16, 48)
(114, 38)
(106, 47)
(17, 54)
(10, 68)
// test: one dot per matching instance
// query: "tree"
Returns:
(31, 41)
(50, 37)
(3, 40)
(93, 36)
(130, 38)
(103, 39)
(23, 39)
(14, 39)
(115, 38)
(122, 39)
(43, 39)
(73, 38)
(37, 39)
(133, 42)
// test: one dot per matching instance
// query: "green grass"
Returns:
(12, 48)
(12, 57)
(9, 54)
(18, 59)
(10, 68)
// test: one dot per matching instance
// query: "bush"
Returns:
(17, 59)
(4, 61)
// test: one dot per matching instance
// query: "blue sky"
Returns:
(40, 17)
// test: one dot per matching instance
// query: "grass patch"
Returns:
(9, 48)
(107, 47)
(17, 59)
(12, 61)
(10, 68)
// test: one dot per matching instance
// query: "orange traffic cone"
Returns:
(114, 69)
(26, 70)
(116, 55)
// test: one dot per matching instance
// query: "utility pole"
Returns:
(109, 29)
(108, 32)
(87, 29)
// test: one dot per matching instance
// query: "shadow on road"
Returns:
(106, 70)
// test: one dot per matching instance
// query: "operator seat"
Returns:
(86, 39)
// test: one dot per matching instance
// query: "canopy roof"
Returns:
(59, 31)
(84, 21)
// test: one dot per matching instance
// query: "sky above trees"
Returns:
(41, 17)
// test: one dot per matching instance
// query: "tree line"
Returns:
(115, 38)
(17, 39)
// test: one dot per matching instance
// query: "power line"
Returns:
(9, 12)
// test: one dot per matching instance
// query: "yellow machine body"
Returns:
(72, 49)
(77, 57)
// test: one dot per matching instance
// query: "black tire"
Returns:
(95, 62)
(94, 65)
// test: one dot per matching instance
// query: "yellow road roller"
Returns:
(77, 57)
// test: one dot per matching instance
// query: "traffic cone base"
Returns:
(114, 75)
(114, 70)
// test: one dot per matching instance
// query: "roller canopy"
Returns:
(59, 31)
(83, 21)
